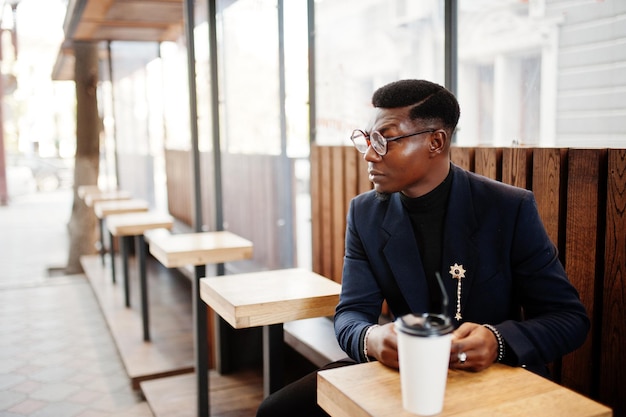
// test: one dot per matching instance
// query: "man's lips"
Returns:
(374, 174)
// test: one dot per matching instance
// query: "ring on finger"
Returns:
(462, 357)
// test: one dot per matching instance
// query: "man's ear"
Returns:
(438, 141)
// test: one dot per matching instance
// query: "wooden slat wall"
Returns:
(582, 233)
(612, 366)
(488, 162)
(340, 175)
(581, 198)
(516, 167)
(546, 184)
(252, 189)
(179, 197)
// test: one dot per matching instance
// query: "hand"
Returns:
(478, 343)
(382, 344)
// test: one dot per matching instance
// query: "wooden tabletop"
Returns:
(373, 390)
(83, 190)
(92, 197)
(108, 207)
(175, 250)
(270, 297)
(133, 224)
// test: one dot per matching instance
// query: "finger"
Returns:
(459, 360)
(464, 330)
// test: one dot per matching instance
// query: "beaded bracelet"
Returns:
(367, 333)
(498, 336)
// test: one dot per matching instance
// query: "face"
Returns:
(413, 165)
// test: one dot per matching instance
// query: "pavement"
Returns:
(34, 242)
(57, 356)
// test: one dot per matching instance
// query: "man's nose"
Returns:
(370, 154)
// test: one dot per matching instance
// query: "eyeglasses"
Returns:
(362, 140)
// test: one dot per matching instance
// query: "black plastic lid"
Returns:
(424, 325)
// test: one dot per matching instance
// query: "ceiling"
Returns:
(117, 20)
(129, 20)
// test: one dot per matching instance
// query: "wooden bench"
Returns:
(581, 196)
(314, 339)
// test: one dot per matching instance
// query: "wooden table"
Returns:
(105, 208)
(92, 197)
(199, 249)
(126, 226)
(373, 390)
(83, 190)
(269, 299)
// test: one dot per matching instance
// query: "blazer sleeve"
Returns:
(361, 300)
(555, 321)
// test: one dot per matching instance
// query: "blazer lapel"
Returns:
(402, 255)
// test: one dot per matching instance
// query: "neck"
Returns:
(437, 174)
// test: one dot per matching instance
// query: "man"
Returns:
(512, 300)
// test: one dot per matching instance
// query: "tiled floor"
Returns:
(57, 356)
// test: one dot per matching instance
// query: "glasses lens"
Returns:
(379, 143)
(360, 141)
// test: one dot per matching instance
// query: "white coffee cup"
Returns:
(424, 352)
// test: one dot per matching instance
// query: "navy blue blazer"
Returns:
(494, 232)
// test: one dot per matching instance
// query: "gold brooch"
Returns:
(458, 273)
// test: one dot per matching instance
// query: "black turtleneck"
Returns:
(427, 214)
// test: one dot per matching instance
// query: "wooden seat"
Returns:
(314, 339)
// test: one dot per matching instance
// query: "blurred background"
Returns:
(211, 110)
(281, 75)
(38, 124)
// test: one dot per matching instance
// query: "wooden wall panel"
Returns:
(517, 167)
(351, 187)
(364, 181)
(352, 175)
(316, 227)
(338, 173)
(325, 203)
(546, 185)
(207, 185)
(463, 157)
(488, 162)
(582, 256)
(179, 185)
(338, 212)
(254, 188)
(612, 367)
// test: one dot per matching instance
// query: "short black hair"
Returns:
(430, 101)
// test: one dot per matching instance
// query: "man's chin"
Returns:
(381, 196)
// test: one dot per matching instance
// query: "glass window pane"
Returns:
(361, 45)
(547, 73)
(248, 47)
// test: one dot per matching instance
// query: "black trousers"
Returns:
(298, 398)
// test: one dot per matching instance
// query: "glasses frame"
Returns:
(382, 142)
